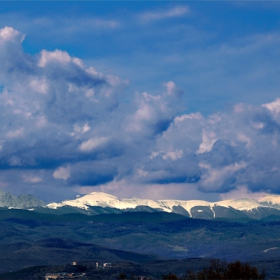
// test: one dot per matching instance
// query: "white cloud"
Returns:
(32, 179)
(85, 128)
(39, 85)
(15, 133)
(147, 112)
(56, 111)
(172, 154)
(242, 191)
(215, 177)
(57, 55)
(274, 106)
(176, 154)
(208, 140)
(242, 137)
(62, 173)
(196, 116)
(171, 13)
(170, 86)
(104, 23)
(41, 122)
(10, 34)
(93, 143)
(79, 130)
(172, 89)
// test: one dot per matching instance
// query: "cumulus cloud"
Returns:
(9, 34)
(273, 107)
(208, 140)
(173, 89)
(62, 173)
(68, 126)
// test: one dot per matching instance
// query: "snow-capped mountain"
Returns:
(103, 203)
(235, 208)
(271, 200)
(23, 201)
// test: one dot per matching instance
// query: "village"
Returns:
(82, 267)
(77, 275)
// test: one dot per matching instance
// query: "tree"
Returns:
(169, 276)
(122, 276)
(224, 270)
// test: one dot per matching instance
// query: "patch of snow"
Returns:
(186, 204)
(214, 213)
(53, 205)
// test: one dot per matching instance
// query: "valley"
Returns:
(132, 236)
(48, 236)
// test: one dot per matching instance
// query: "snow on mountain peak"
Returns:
(240, 204)
(107, 200)
(92, 199)
(272, 199)
(100, 196)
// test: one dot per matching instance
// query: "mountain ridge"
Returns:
(101, 203)
(190, 208)
(23, 201)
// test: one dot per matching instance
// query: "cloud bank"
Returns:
(66, 126)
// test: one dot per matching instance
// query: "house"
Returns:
(107, 264)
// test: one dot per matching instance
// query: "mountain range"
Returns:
(58, 233)
(199, 209)
(103, 203)
(23, 201)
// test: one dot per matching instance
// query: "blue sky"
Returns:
(155, 99)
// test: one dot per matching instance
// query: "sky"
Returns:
(148, 99)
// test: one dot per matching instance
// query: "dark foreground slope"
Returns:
(133, 270)
(153, 269)
(168, 236)
(52, 251)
